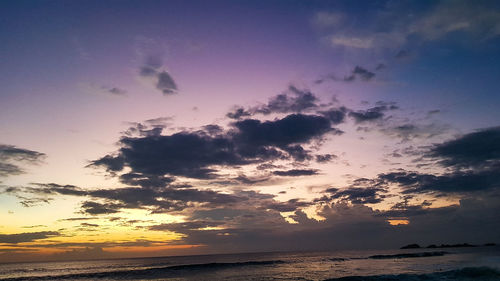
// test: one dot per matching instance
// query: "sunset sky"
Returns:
(150, 128)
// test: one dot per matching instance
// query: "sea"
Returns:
(477, 263)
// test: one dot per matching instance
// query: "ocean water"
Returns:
(481, 263)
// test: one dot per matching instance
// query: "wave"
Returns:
(409, 255)
(169, 271)
(464, 274)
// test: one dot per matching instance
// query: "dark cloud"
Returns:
(185, 226)
(10, 152)
(410, 131)
(195, 154)
(294, 100)
(94, 208)
(86, 224)
(117, 91)
(145, 181)
(26, 237)
(151, 127)
(403, 54)
(110, 162)
(162, 80)
(288, 206)
(250, 181)
(356, 195)
(48, 188)
(335, 115)
(7, 169)
(358, 73)
(238, 112)
(166, 83)
(323, 158)
(155, 200)
(372, 114)
(181, 154)
(296, 172)
(479, 149)
(11, 157)
(454, 182)
(293, 129)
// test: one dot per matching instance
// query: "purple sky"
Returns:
(146, 128)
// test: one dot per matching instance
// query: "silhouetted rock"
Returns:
(490, 244)
(464, 245)
(411, 246)
(409, 255)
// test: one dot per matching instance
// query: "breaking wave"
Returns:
(169, 271)
(464, 274)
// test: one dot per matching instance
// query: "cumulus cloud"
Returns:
(195, 154)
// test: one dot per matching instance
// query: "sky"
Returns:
(154, 128)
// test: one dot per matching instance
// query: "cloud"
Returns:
(94, 208)
(479, 19)
(288, 206)
(166, 83)
(238, 112)
(149, 127)
(324, 158)
(157, 200)
(335, 115)
(358, 73)
(328, 19)
(292, 100)
(353, 42)
(355, 194)
(292, 129)
(11, 157)
(383, 29)
(116, 91)
(26, 237)
(295, 100)
(7, 169)
(195, 154)
(296, 172)
(410, 131)
(478, 149)
(181, 154)
(185, 226)
(372, 114)
(161, 79)
(344, 226)
(454, 182)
